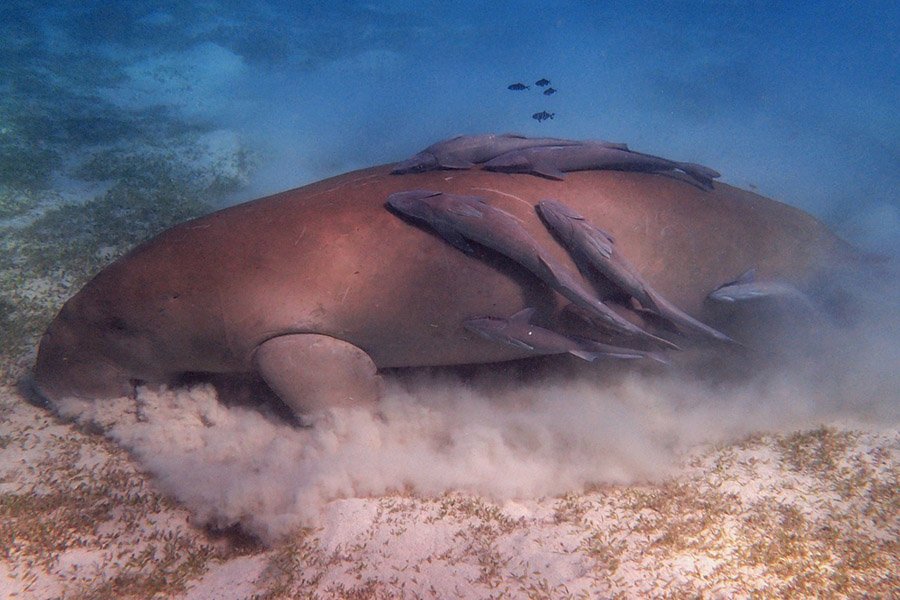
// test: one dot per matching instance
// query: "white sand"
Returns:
(774, 514)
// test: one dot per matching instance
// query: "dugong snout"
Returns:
(67, 365)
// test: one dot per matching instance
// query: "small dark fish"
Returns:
(542, 116)
(542, 82)
(517, 87)
(549, 91)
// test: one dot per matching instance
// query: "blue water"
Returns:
(796, 100)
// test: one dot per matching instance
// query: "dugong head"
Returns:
(69, 363)
(98, 346)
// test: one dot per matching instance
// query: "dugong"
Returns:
(317, 289)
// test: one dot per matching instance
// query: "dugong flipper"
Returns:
(311, 372)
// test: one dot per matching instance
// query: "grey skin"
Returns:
(466, 151)
(554, 162)
(460, 219)
(591, 247)
(519, 332)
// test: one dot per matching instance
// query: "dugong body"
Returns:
(318, 287)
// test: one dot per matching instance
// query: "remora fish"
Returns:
(591, 246)
(747, 288)
(465, 151)
(519, 332)
(459, 219)
(554, 161)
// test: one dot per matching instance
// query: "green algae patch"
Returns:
(45, 261)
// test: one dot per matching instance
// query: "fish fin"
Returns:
(699, 171)
(756, 290)
(602, 242)
(585, 355)
(659, 357)
(550, 271)
(748, 276)
(523, 315)
(517, 343)
(674, 318)
(622, 353)
(466, 210)
(703, 176)
(747, 292)
(592, 356)
(550, 205)
(412, 195)
(454, 238)
(455, 162)
(625, 355)
(720, 294)
(548, 171)
(607, 234)
(409, 166)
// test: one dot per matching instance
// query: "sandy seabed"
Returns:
(552, 494)
(210, 502)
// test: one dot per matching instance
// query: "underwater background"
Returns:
(145, 113)
(119, 119)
